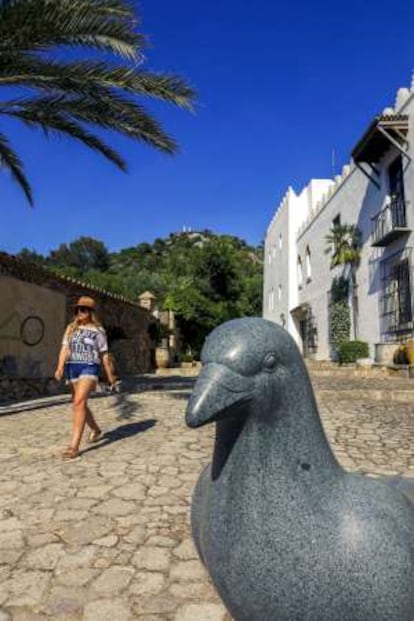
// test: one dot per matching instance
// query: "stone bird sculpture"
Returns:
(285, 533)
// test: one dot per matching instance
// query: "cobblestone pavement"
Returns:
(107, 536)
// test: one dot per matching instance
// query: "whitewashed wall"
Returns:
(344, 201)
(276, 270)
(280, 291)
(305, 219)
(357, 201)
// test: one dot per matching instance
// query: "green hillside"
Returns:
(205, 278)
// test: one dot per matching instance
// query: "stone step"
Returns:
(362, 395)
(376, 370)
(321, 364)
(191, 371)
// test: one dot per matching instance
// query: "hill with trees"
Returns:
(203, 277)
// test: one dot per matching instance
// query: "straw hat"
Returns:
(86, 301)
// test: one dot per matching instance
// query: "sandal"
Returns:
(94, 436)
(70, 453)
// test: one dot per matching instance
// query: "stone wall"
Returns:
(32, 319)
(39, 303)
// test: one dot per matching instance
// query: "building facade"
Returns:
(375, 194)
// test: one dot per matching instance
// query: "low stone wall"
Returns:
(18, 389)
(126, 324)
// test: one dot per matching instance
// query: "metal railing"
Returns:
(389, 222)
(396, 295)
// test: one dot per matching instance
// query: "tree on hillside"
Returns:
(222, 282)
(31, 256)
(204, 278)
(83, 255)
(217, 268)
(74, 96)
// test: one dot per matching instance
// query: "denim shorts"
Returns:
(75, 371)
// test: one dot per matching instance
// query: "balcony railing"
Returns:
(396, 295)
(390, 223)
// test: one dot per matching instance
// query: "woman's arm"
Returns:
(63, 356)
(106, 361)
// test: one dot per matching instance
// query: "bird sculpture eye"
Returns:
(269, 362)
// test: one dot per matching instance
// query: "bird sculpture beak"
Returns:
(217, 392)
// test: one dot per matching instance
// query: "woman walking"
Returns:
(84, 347)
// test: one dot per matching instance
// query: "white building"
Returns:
(375, 192)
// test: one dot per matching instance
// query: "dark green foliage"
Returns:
(84, 255)
(101, 87)
(352, 350)
(31, 257)
(339, 312)
(339, 289)
(204, 278)
(344, 244)
(339, 323)
(211, 279)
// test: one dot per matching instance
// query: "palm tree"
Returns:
(65, 94)
(344, 243)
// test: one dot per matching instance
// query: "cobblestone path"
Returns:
(107, 536)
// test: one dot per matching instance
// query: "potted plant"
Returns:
(409, 351)
(187, 360)
(162, 351)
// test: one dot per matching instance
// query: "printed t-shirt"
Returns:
(85, 344)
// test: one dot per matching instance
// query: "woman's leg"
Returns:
(82, 390)
(91, 422)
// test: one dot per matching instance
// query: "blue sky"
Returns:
(280, 85)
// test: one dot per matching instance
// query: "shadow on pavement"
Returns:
(130, 384)
(126, 408)
(121, 433)
(180, 394)
(145, 383)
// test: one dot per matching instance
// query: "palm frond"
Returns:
(107, 25)
(70, 97)
(117, 113)
(343, 242)
(85, 77)
(111, 112)
(167, 87)
(55, 122)
(10, 160)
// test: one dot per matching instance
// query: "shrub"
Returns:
(339, 323)
(339, 289)
(352, 350)
(187, 358)
(400, 355)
